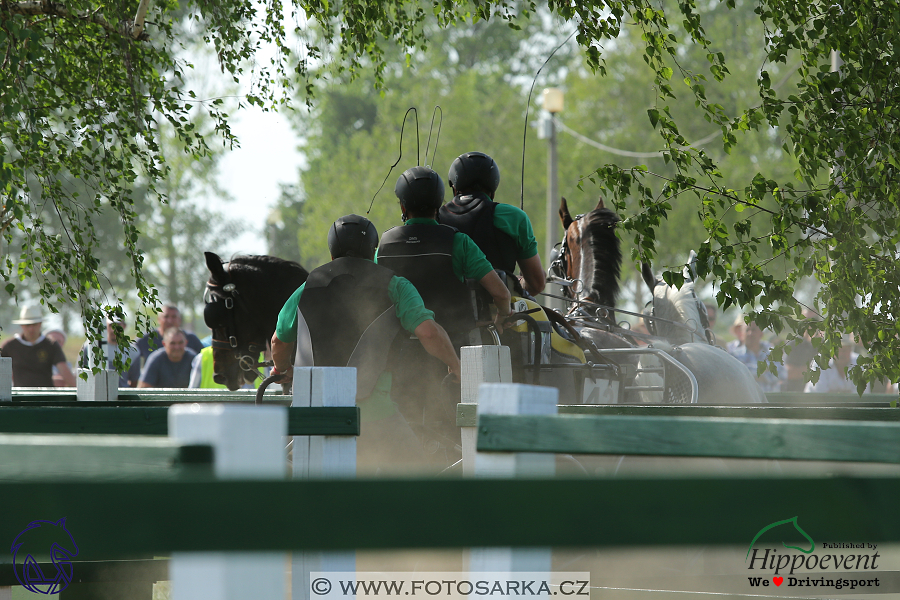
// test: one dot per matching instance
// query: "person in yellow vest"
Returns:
(202, 372)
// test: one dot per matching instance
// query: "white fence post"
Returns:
(101, 387)
(248, 442)
(322, 456)
(514, 399)
(5, 378)
(480, 364)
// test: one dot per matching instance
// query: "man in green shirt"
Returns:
(503, 232)
(339, 301)
(437, 258)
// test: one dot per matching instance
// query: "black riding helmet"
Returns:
(473, 172)
(420, 189)
(352, 235)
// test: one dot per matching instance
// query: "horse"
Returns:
(590, 259)
(242, 306)
(589, 264)
(243, 303)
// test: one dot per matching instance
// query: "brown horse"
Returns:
(243, 302)
(591, 249)
(591, 258)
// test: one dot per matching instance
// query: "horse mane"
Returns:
(258, 269)
(266, 281)
(599, 228)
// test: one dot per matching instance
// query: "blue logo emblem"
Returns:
(44, 538)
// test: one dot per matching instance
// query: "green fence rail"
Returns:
(24, 457)
(153, 420)
(796, 439)
(136, 518)
(466, 413)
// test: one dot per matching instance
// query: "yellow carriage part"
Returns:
(557, 342)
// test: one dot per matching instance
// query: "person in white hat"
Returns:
(34, 355)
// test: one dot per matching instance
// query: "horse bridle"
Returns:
(586, 309)
(559, 268)
(228, 293)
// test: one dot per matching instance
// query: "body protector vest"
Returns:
(340, 300)
(473, 215)
(423, 254)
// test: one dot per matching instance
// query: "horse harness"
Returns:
(584, 309)
(222, 317)
(559, 267)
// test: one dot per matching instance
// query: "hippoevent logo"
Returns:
(42, 538)
(804, 567)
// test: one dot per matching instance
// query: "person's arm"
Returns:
(437, 343)
(497, 289)
(533, 274)
(65, 373)
(512, 221)
(285, 335)
(469, 262)
(281, 356)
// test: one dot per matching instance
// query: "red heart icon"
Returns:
(778, 580)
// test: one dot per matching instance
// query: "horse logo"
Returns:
(41, 538)
(793, 520)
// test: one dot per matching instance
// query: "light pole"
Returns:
(552, 103)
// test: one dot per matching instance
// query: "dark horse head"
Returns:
(590, 254)
(242, 306)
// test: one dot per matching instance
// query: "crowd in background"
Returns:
(170, 357)
(750, 347)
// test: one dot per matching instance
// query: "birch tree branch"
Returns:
(133, 30)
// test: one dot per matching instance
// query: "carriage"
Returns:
(585, 353)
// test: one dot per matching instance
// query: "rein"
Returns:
(601, 307)
(559, 270)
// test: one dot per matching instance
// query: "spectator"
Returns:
(202, 372)
(797, 361)
(834, 378)
(796, 365)
(58, 336)
(109, 346)
(169, 317)
(737, 330)
(34, 355)
(751, 351)
(170, 366)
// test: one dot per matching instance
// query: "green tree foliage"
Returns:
(283, 225)
(81, 93)
(612, 110)
(86, 95)
(474, 74)
(465, 70)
